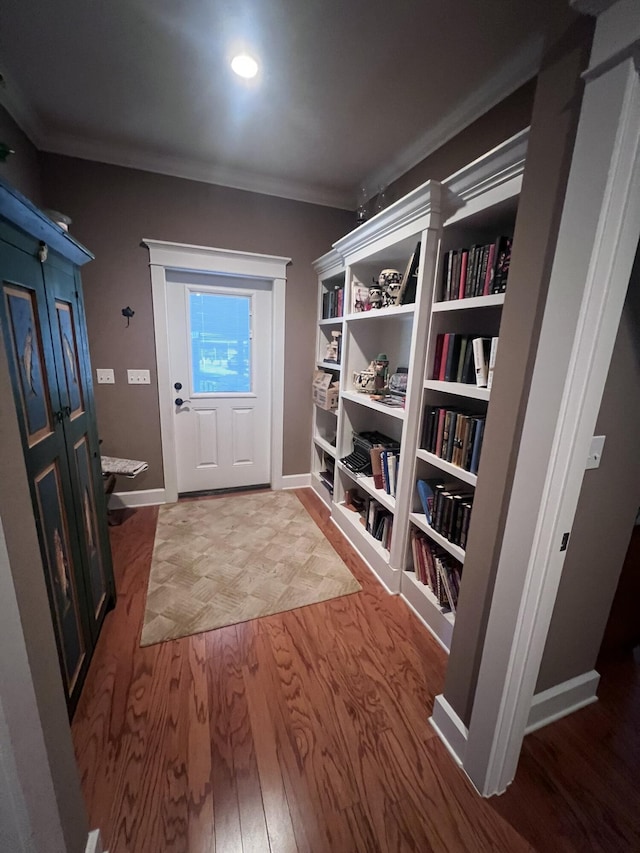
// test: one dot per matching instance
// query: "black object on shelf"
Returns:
(359, 461)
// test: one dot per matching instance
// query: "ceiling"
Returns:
(351, 93)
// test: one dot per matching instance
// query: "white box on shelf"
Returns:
(325, 391)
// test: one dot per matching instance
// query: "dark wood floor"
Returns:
(307, 731)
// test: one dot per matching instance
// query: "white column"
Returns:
(597, 241)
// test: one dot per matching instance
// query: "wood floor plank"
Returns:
(307, 732)
(228, 832)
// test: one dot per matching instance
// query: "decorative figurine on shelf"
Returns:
(382, 372)
(373, 379)
(390, 282)
(376, 297)
(333, 348)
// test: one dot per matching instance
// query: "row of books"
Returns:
(447, 508)
(333, 303)
(327, 476)
(377, 520)
(453, 436)
(384, 469)
(436, 569)
(477, 271)
(465, 358)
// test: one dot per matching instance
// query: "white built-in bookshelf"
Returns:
(474, 207)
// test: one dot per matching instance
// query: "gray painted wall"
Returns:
(609, 501)
(112, 209)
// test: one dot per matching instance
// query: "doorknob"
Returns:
(180, 402)
(177, 386)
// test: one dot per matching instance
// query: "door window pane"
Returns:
(220, 343)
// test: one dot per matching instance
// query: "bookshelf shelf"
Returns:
(363, 400)
(440, 622)
(331, 321)
(471, 303)
(458, 389)
(420, 520)
(376, 557)
(443, 465)
(381, 313)
(321, 489)
(329, 365)
(329, 449)
(366, 483)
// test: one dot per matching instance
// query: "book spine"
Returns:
(445, 355)
(464, 260)
(439, 432)
(480, 362)
(471, 266)
(488, 279)
(492, 361)
(453, 351)
(477, 446)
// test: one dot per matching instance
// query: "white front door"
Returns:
(220, 365)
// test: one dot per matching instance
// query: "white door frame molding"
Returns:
(597, 242)
(164, 257)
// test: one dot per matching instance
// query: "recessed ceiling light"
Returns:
(244, 66)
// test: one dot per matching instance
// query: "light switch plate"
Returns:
(595, 452)
(138, 377)
(105, 376)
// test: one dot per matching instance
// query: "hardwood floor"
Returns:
(307, 731)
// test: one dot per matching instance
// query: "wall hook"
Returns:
(128, 313)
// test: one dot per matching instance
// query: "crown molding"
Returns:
(513, 74)
(329, 264)
(418, 210)
(208, 173)
(501, 164)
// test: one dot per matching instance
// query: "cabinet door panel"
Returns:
(99, 587)
(27, 352)
(61, 572)
(74, 380)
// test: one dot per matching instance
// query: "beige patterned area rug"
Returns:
(225, 560)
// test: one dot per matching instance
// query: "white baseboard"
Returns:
(563, 699)
(294, 481)
(94, 843)
(450, 728)
(144, 497)
(546, 707)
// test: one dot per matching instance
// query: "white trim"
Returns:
(329, 265)
(492, 170)
(547, 707)
(561, 700)
(295, 481)
(450, 728)
(609, 152)
(94, 842)
(142, 497)
(410, 215)
(130, 157)
(184, 257)
(513, 74)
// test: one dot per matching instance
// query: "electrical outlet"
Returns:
(105, 376)
(138, 377)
